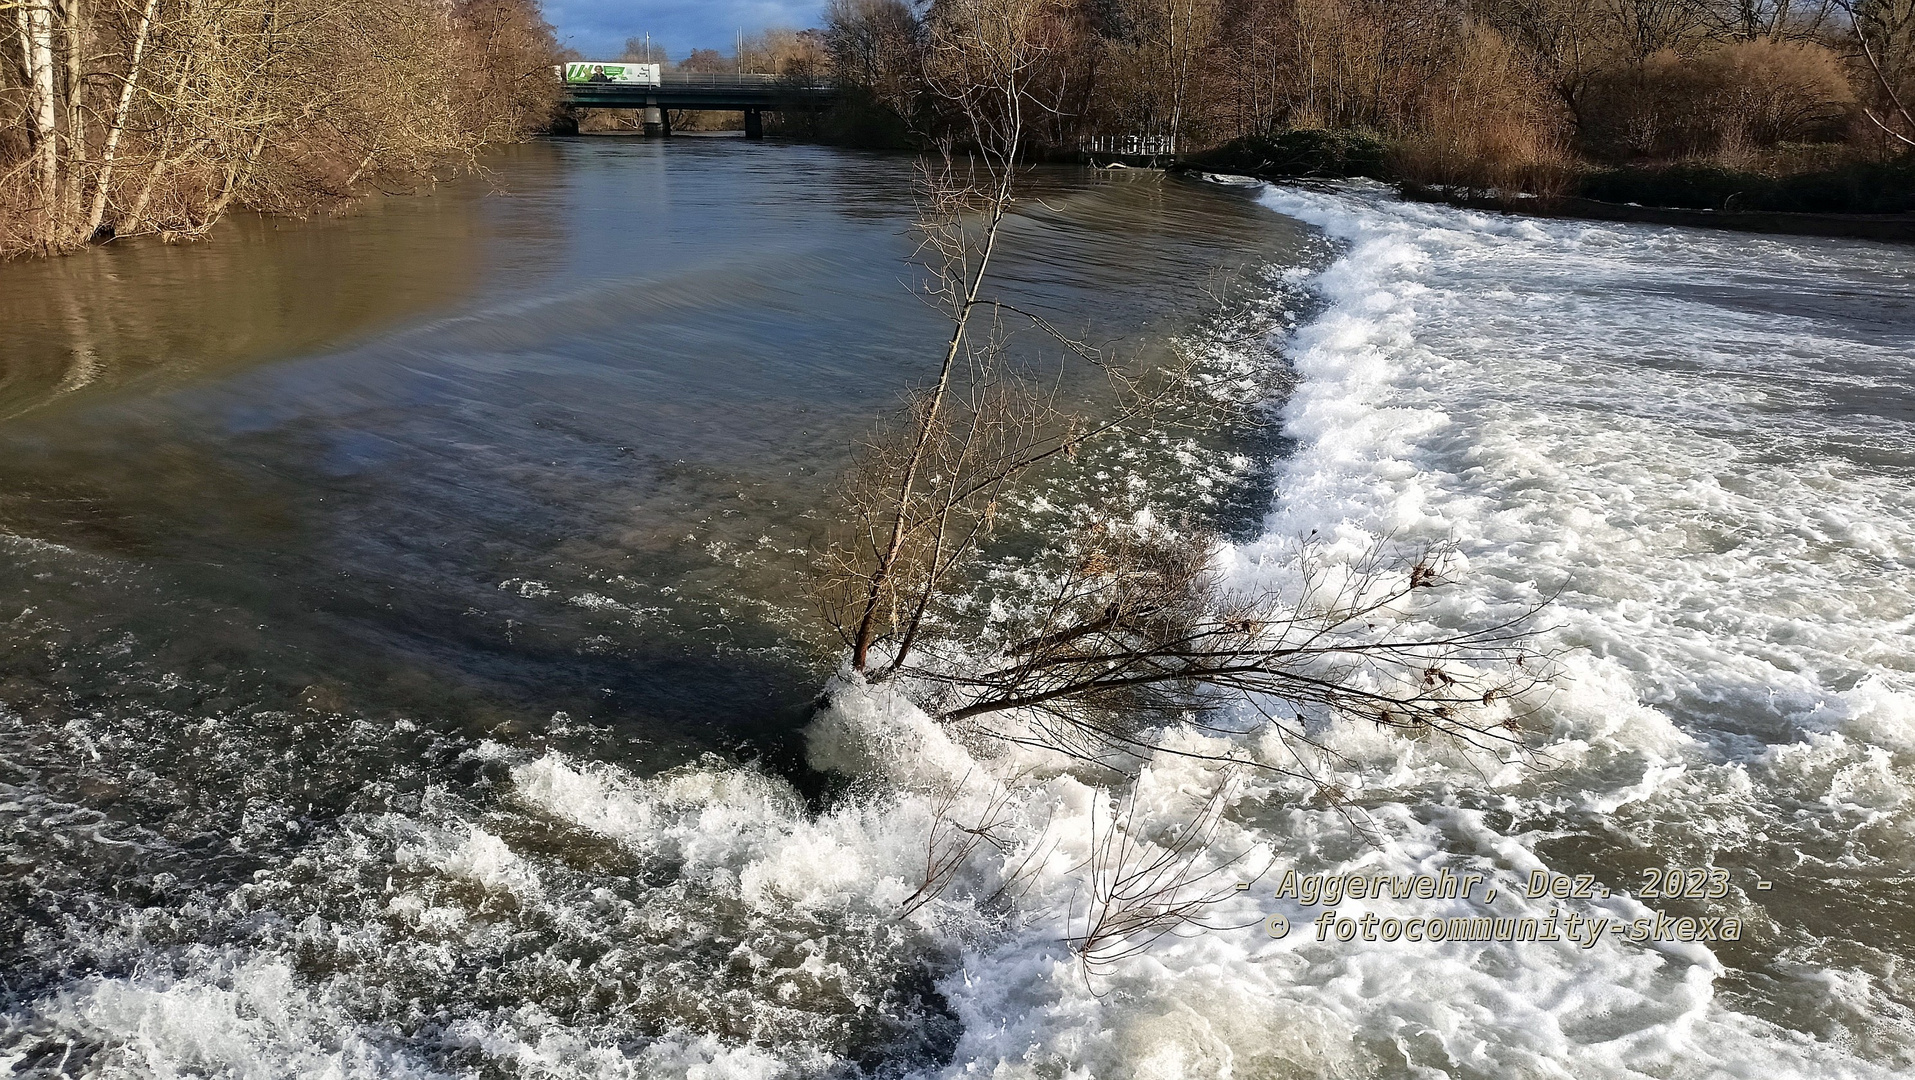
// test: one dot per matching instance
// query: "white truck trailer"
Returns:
(602, 71)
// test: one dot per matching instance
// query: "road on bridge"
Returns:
(750, 94)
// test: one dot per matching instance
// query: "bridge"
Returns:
(751, 94)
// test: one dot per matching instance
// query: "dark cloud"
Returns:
(598, 28)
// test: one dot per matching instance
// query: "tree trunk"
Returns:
(103, 185)
(36, 38)
(867, 624)
(236, 173)
(165, 159)
(160, 168)
(74, 58)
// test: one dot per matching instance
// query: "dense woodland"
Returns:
(127, 117)
(1481, 93)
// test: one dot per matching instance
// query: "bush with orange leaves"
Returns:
(1722, 103)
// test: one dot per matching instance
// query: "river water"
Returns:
(405, 656)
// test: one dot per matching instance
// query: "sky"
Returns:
(598, 28)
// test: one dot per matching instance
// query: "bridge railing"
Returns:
(716, 81)
(745, 89)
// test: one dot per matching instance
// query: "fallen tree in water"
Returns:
(157, 116)
(1122, 639)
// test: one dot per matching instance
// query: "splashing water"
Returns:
(1699, 445)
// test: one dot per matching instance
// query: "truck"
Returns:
(604, 71)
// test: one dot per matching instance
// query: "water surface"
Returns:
(298, 516)
(403, 630)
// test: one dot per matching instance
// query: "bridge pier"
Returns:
(654, 119)
(754, 124)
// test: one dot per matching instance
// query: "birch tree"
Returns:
(36, 41)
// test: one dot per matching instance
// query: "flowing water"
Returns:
(404, 651)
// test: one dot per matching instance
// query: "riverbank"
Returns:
(1893, 228)
(162, 124)
(1857, 200)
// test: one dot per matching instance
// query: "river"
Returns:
(405, 651)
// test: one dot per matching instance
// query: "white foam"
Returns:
(879, 732)
(250, 1020)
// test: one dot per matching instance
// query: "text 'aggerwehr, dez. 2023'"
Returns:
(1580, 928)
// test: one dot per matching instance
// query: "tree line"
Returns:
(130, 117)
(1468, 91)
(125, 117)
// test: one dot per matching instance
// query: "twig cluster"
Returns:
(1141, 890)
(1137, 627)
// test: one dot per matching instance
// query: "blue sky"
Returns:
(598, 28)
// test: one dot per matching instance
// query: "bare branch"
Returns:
(1142, 887)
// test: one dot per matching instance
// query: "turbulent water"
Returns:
(477, 770)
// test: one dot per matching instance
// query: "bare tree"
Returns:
(1132, 626)
(876, 45)
(1135, 629)
(922, 503)
(1161, 60)
(950, 844)
(116, 128)
(36, 41)
(1883, 28)
(1643, 28)
(1765, 20)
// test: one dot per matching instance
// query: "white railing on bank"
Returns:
(1130, 145)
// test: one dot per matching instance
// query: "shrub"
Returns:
(1300, 152)
(1486, 122)
(1726, 101)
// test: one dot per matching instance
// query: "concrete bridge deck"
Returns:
(695, 91)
